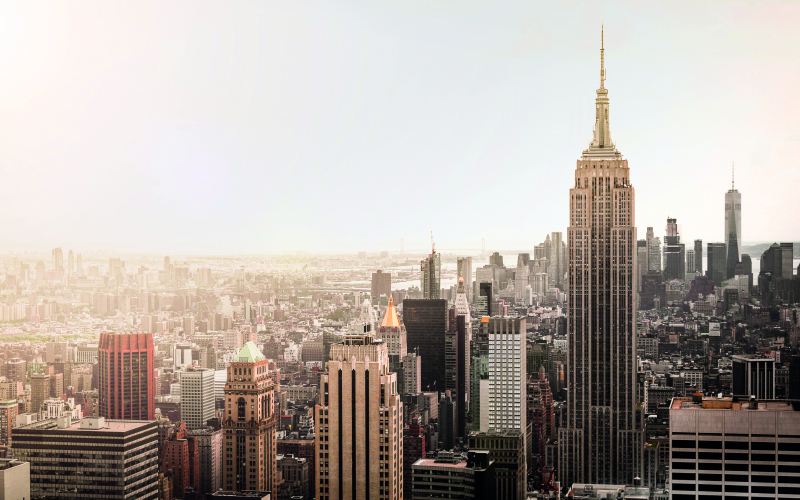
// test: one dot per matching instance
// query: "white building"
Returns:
(15, 479)
(507, 374)
(197, 396)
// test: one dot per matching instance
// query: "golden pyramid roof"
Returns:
(391, 320)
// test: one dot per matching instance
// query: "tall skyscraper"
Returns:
(653, 252)
(641, 262)
(674, 253)
(250, 423)
(603, 438)
(716, 262)
(71, 264)
(127, 385)
(690, 265)
(733, 220)
(79, 269)
(431, 275)
(507, 374)
(698, 257)
(359, 436)
(555, 261)
(197, 396)
(426, 328)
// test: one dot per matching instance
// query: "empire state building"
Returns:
(603, 439)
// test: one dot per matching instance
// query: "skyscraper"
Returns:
(507, 374)
(674, 253)
(359, 435)
(71, 264)
(641, 262)
(127, 385)
(430, 275)
(197, 396)
(653, 252)
(690, 265)
(733, 220)
(603, 437)
(716, 262)
(381, 284)
(698, 257)
(58, 258)
(79, 270)
(426, 326)
(250, 422)
(464, 269)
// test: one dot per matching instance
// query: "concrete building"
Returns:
(249, 424)
(15, 479)
(507, 374)
(653, 251)
(295, 474)
(674, 253)
(80, 455)
(209, 449)
(725, 448)
(381, 284)
(359, 428)
(507, 450)
(698, 257)
(197, 396)
(603, 438)
(454, 476)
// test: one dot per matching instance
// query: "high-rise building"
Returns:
(716, 262)
(674, 250)
(698, 257)
(426, 328)
(726, 448)
(453, 476)
(507, 450)
(250, 424)
(733, 222)
(79, 269)
(555, 260)
(209, 448)
(431, 275)
(71, 264)
(197, 396)
(126, 381)
(8, 420)
(393, 334)
(456, 351)
(603, 438)
(464, 269)
(641, 262)
(79, 455)
(690, 265)
(507, 373)
(58, 258)
(653, 251)
(753, 375)
(359, 429)
(40, 390)
(381, 284)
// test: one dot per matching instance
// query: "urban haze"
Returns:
(399, 250)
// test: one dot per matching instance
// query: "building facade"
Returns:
(197, 396)
(126, 368)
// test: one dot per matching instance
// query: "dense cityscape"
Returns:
(610, 361)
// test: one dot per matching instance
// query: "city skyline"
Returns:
(250, 146)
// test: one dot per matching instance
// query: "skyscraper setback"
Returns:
(603, 437)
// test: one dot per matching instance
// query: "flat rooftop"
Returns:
(431, 462)
(709, 403)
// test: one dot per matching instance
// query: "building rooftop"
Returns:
(390, 320)
(87, 424)
(249, 353)
(431, 462)
(710, 403)
(7, 463)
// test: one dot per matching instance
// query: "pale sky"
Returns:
(258, 127)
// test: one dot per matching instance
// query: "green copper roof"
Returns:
(249, 354)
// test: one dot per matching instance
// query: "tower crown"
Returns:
(602, 146)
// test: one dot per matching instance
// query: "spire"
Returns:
(732, 172)
(602, 60)
(390, 319)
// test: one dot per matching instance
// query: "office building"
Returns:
(381, 284)
(733, 222)
(359, 428)
(8, 419)
(555, 261)
(653, 251)
(464, 268)
(249, 424)
(690, 262)
(507, 374)
(725, 448)
(40, 390)
(126, 381)
(447, 420)
(79, 266)
(453, 476)
(603, 438)
(197, 396)
(58, 258)
(674, 253)
(753, 375)
(483, 302)
(15, 479)
(71, 264)
(412, 374)
(426, 327)
(431, 275)
(642, 267)
(393, 333)
(456, 350)
(90, 458)
(507, 450)
(698, 257)
(716, 262)
(209, 449)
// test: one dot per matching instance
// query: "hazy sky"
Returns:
(256, 127)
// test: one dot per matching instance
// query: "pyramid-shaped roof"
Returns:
(391, 319)
(249, 353)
